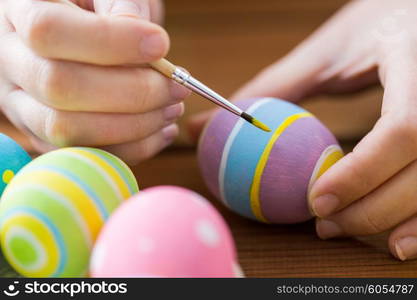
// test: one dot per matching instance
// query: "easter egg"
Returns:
(165, 232)
(261, 175)
(53, 210)
(12, 159)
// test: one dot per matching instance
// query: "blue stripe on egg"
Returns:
(98, 203)
(19, 210)
(117, 168)
(242, 162)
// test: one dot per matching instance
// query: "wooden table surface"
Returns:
(280, 251)
(254, 33)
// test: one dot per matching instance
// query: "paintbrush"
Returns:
(184, 78)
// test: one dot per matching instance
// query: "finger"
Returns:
(157, 11)
(136, 152)
(57, 31)
(387, 149)
(313, 68)
(380, 155)
(40, 145)
(303, 71)
(384, 208)
(62, 128)
(132, 8)
(291, 78)
(144, 9)
(82, 87)
(403, 240)
(132, 153)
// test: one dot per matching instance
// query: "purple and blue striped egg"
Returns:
(266, 176)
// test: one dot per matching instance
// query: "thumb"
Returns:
(130, 8)
(146, 11)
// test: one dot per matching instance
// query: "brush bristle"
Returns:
(255, 122)
(261, 125)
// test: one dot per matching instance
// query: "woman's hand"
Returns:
(67, 75)
(373, 188)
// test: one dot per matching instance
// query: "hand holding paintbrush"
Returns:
(65, 77)
(183, 77)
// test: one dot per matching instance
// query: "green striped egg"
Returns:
(53, 210)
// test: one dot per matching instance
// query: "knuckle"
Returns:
(104, 32)
(145, 126)
(405, 131)
(105, 134)
(357, 174)
(139, 129)
(146, 95)
(53, 83)
(38, 31)
(146, 150)
(372, 224)
(59, 129)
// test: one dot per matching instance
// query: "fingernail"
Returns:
(406, 247)
(178, 92)
(170, 133)
(327, 229)
(324, 205)
(151, 46)
(173, 112)
(128, 9)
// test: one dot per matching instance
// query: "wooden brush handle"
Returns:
(67, 2)
(163, 66)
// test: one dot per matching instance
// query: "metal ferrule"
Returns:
(183, 77)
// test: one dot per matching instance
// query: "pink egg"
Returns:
(165, 231)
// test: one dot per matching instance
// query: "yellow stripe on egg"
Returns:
(255, 187)
(121, 187)
(328, 158)
(40, 237)
(69, 194)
